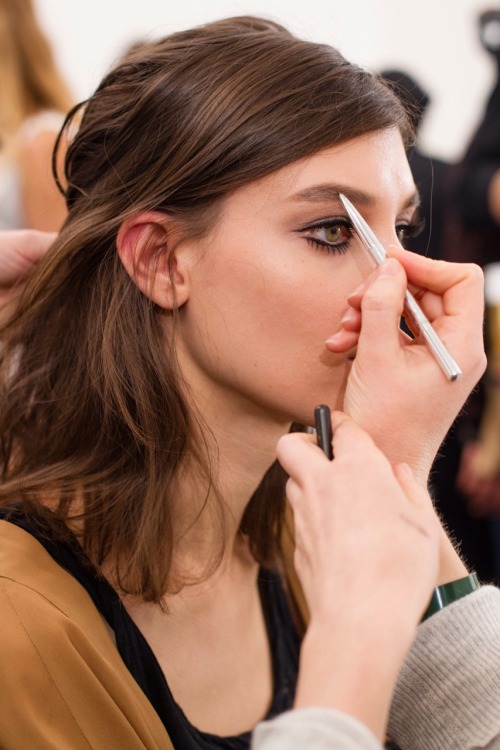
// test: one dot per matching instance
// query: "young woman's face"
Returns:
(271, 279)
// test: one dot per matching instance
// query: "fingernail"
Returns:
(356, 291)
(334, 339)
(350, 314)
(389, 267)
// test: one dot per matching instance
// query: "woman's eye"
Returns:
(334, 234)
(402, 233)
(331, 235)
(407, 231)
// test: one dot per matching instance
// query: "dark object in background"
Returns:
(489, 31)
(431, 175)
(415, 99)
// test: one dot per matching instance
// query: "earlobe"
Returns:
(147, 244)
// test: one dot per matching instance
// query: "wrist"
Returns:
(353, 669)
(451, 592)
(451, 565)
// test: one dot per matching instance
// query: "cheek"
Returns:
(256, 327)
(313, 309)
(273, 323)
(256, 311)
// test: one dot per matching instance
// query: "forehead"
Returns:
(373, 165)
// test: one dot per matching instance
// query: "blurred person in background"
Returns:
(477, 195)
(34, 99)
(473, 235)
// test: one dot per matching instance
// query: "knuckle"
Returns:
(474, 272)
(344, 428)
(287, 442)
(373, 301)
(348, 462)
(482, 362)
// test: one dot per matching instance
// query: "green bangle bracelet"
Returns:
(450, 592)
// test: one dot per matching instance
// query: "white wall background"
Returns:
(434, 40)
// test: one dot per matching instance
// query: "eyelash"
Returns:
(410, 230)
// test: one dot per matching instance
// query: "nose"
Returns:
(387, 234)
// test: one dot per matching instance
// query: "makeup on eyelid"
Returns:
(404, 230)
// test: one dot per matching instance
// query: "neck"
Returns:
(241, 447)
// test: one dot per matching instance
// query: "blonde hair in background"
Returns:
(29, 79)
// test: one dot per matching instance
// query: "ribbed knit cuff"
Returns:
(448, 690)
(315, 728)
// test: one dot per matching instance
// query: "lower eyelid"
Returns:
(339, 249)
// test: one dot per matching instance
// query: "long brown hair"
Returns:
(30, 80)
(92, 403)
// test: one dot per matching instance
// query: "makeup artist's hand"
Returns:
(367, 545)
(357, 516)
(20, 251)
(396, 390)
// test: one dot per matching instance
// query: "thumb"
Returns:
(382, 306)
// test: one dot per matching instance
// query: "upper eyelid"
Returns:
(343, 220)
(415, 218)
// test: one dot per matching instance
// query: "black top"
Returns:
(141, 662)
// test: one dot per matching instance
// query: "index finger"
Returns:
(438, 275)
(300, 456)
(348, 436)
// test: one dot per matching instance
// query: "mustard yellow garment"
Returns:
(63, 683)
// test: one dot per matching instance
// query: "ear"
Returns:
(148, 247)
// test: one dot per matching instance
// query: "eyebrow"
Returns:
(330, 192)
